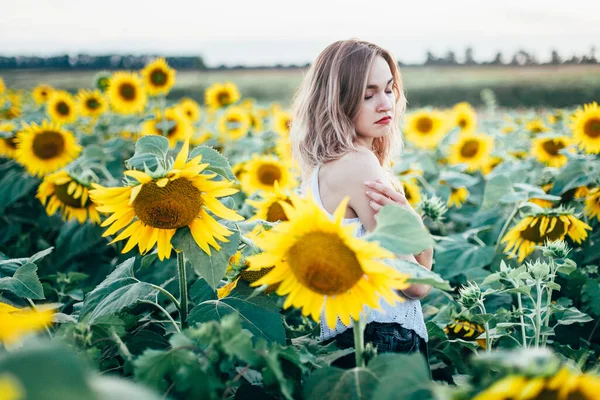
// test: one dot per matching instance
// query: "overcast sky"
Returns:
(271, 31)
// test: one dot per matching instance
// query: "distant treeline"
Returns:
(117, 62)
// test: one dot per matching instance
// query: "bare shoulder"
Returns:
(356, 167)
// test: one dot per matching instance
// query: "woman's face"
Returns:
(376, 114)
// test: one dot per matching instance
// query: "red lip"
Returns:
(384, 120)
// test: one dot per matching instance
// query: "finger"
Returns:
(375, 206)
(379, 198)
(387, 190)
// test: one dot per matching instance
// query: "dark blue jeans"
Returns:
(386, 337)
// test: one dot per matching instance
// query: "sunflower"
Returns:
(201, 137)
(465, 330)
(62, 192)
(8, 145)
(2, 86)
(425, 129)
(465, 117)
(46, 148)
(474, 150)
(270, 208)
(159, 78)
(234, 123)
(126, 93)
(256, 122)
(153, 208)
(174, 126)
(12, 106)
(592, 203)
(190, 109)
(546, 150)
(61, 107)
(221, 94)
(493, 162)
(10, 388)
(585, 125)
(41, 93)
(322, 267)
(261, 173)
(457, 197)
(91, 103)
(581, 192)
(543, 202)
(282, 123)
(16, 322)
(412, 192)
(539, 226)
(508, 129)
(283, 148)
(536, 126)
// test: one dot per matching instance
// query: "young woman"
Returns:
(345, 132)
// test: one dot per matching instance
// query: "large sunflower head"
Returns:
(585, 125)
(261, 173)
(474, 150)
(234, 123)
(546, 150)
(126, 93)
(8, 144)
(270, 207)
(189, 108)
(321, 267)
(159, 78)
(282, 123)
(174, 126)
(64, 193)
(46, 148)
(153, 206)
(425, 129)
(221, 95)
(91, 103)
(465, 117)
(41, 93)
(543, 225)
(61, 107)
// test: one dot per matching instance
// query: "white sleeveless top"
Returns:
(407, 313)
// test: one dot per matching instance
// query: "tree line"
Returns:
(118, 62)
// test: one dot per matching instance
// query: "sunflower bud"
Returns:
(469, 295)
(556, 249)
(102, 80)
(433, 207)
(539, 269)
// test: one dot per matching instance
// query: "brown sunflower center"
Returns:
(48, 144)
(161, 127)
(592, 127)
(233, 122)
(276, 213)
(470, 148)
(63, 195)
(288, 124)
(44, 94)
(11, 142)
(462, 123)
(424, 125)
(63, 108)
(127, 91)
(92, 103)
(158, 77)
(553, 146)
(268, 174)
(323, 263)
(224, 98)
(537, 128)
(170, 207)
(532, 232)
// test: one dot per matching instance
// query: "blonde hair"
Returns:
(329, 99)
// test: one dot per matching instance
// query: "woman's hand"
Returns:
(383, 194)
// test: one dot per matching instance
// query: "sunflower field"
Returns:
(160, 249)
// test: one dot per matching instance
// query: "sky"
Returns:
(259, 32)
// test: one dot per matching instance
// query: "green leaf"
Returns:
(156, 368)
(419, 274)
(401, 373)
(40, 254)
(458, 179)
(495, 188)
(217, 163)
(75, 239)
(590, 293)
(94, 152)
(152, 144)
(259, 314)
(15, 185)
(568, 316)
(24, 283)
(400, 231)
(576, 173)
(210, 267)
(338, 384)
(114, 388)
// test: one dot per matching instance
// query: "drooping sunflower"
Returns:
(536, 126)
(17, 322)
(61, 107)
(270, 208)
(190, 109)
(46, 148)
(474, 150)
(539, 226)
(261, 173)
(174, 126)
(458, 196)
(91, 103)
(465, 117)
(64, 193)
(126, 93)
(543, 202)
(425, 129)
(153, 208)
(282, 123)
(8, 145)
(585, 125)
(546, 150)
(465, 330)
(321, 267)
(41, 93)
(159, 78)
(221, 95)
(592, 203)
(234, 123)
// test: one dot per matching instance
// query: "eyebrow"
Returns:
(377, 87)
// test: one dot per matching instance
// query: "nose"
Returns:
(385, 104)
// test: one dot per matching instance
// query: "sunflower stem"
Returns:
(359, 342)
(523, 334)
(183, 289)
(168, 294)
(505, 227)
(549, 299)
(538, 314)
(488, 343)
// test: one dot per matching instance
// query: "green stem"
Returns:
(505, 227)
(523, 334)
(488, 343)
(183, 289)
(168, 294)
(538, 314)
(164, 312)
(359, 342)
(549, 300)
(32, 304)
